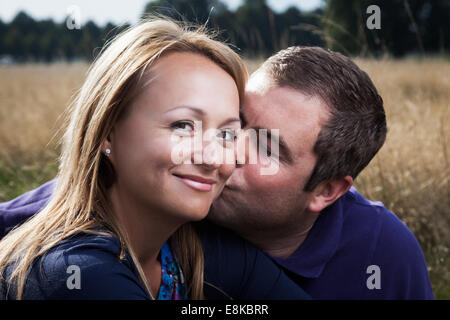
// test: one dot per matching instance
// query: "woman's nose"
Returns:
(208, 153)
(212, 155)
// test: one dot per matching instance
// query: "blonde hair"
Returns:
(79, 201)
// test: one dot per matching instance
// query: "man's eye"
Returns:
(228, 135)
(183, 126)
(266, 150)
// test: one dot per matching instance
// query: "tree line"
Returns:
(407, 26)
(254, 29)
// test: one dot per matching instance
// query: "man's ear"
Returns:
(328, 192)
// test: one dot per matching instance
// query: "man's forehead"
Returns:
(265, 99)
(259, 82)
(276, 102)
(298, 116)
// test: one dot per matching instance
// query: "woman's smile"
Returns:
(198, 183)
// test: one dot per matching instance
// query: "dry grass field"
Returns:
(410, 175)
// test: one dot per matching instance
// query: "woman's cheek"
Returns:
(160, 152)
(179, 150)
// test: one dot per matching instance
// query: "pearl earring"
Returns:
(108, 151)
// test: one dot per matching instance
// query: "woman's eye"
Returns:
(183, 126)
(228, 135)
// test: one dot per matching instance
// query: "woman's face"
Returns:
(187, 97)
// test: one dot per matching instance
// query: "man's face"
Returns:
(273, 203)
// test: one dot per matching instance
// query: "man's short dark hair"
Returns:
(356, 128)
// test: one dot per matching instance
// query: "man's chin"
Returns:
(217, 208)
(222, 208)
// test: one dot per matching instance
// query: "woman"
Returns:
(120, 210)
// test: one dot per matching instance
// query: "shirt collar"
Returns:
(320, 245)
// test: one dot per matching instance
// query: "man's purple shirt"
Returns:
(357, 249)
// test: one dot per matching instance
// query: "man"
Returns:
(307, 217)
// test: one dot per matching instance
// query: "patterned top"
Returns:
(172, 281)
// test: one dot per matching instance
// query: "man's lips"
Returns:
(196, 182)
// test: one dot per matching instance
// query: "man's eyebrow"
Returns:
(283, 147)
(196, 110)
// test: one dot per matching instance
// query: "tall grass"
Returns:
(410, 175)
(32, 100)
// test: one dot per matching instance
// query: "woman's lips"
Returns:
(196, 182)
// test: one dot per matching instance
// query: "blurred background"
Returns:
(404, 45)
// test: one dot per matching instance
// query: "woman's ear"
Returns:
(328, 192)
(107, 147)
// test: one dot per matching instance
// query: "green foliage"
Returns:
(16, 180)
(407, 26)
(253, 28)
(26, 39)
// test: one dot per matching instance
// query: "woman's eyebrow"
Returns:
(196, 110)
(202, 113)
(230, 120)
